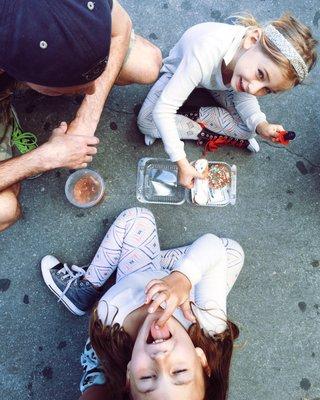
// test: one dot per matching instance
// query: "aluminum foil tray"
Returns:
(157, 182)
(219, 197)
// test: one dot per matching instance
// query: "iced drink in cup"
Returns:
(84, 188)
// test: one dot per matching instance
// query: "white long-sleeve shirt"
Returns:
(195, 61)
(204, 264)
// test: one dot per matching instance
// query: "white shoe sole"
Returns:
(253, 146)
(149, 140)
(45, 269)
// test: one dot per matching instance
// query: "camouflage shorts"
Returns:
(5, 141)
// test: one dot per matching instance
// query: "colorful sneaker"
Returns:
(212, 141)
(92, 370)
(77, 294)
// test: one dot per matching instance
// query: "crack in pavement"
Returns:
(291, 152)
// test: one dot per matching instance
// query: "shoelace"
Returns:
(24, 141)
(214, 143)
(71, 274)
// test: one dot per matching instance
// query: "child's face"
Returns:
(255, 73)
(171, 369)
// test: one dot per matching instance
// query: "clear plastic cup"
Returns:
(84, 188)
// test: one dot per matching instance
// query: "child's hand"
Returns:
(187, 173)
(269, 131)
(174, 290)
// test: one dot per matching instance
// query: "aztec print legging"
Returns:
(224, 120)
(132, 244)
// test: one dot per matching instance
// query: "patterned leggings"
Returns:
(224, 119)
(132, 244)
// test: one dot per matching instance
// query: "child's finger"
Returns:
(200, 175)
(160, 298)
(167, 313)
(279, 128)
(62, 128)
(187, 312)
(151, 283)
(155, 289)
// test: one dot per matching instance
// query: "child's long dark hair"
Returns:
(114, 346)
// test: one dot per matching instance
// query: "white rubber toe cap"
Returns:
(253, 145)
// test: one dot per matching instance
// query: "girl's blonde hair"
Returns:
(299, 35)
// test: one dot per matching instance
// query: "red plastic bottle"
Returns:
(284, 137)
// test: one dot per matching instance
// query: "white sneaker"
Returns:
(253, 145)
(149, 140)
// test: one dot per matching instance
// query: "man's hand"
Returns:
(174, 290)
(187, 173)
(269, 131)
(82, 127)
(69, 151)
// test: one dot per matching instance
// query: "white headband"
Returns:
(287, 50)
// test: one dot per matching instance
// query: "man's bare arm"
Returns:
(18, 168)
(88, 115)
(61, 150)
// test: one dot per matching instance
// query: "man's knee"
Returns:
(10, 210)
(134, 71)
(155, 64)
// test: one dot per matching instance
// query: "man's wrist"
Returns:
(42, 159)
(83, 125)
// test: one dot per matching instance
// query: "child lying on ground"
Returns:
(144, 351)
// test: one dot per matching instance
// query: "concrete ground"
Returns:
(276, 219)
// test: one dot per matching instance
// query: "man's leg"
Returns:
(10, 210)
(135, 71)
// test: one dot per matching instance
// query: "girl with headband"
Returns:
(145, 346)
(236, 63)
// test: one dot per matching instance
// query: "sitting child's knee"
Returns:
(136, 211)
(10, 210)
(141, 118)
(214, 243)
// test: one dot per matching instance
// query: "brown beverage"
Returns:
(86, 189)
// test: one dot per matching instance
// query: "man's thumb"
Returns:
(62, 128)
